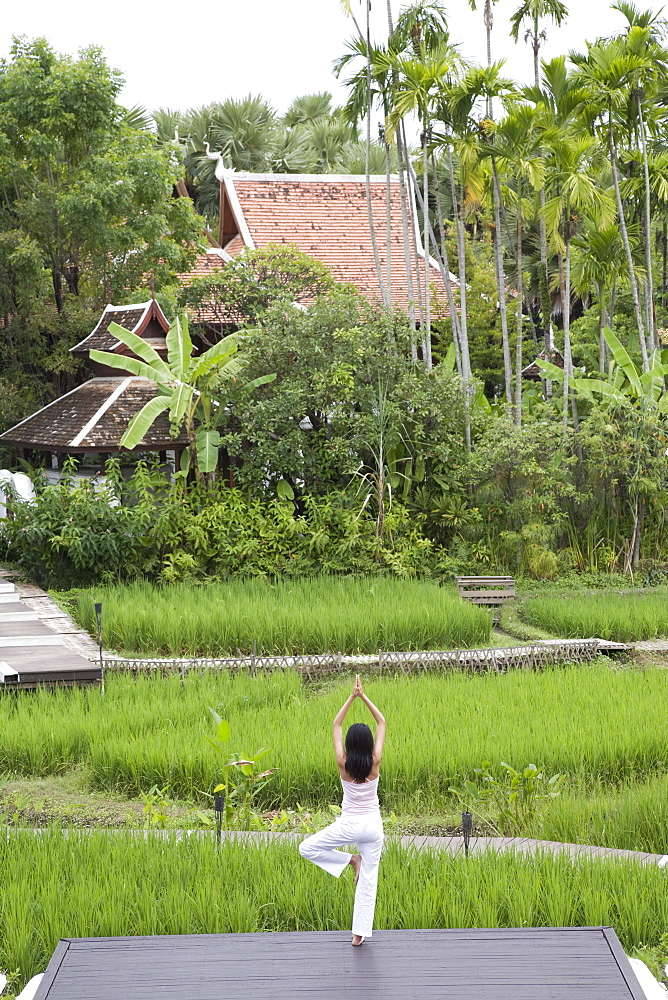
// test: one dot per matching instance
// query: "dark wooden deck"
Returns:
(513, 964)
(39, 644)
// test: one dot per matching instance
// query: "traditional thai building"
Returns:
(89, 421)
(326, 217)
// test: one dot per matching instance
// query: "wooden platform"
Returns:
(39, 644)
(513, 964)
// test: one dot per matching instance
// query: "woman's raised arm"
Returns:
(337, 726)
(379, 719)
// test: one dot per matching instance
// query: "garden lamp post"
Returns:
(98, 615)
(467, 827)
(219, 809)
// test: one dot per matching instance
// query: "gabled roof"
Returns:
(135, 317)
(94, 417)
(326, 216)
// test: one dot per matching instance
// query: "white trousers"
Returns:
(367, 833)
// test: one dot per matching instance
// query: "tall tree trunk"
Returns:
(460, 231)
(444, 263)
(501, 286)
(627, 246)
(520, 305)
(388, 224)
(651, 326)
(367, 160)
(602, 323)
(568, 365)
(413, 193)
(407, 249)
(425, 244)
(488, 18)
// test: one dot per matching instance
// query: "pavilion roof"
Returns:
(136, 318)
(93, 417)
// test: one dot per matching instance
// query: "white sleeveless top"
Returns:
(360, 800)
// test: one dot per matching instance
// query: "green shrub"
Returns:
(72, 536)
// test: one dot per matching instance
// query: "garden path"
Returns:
(38, 643)
(479, 845)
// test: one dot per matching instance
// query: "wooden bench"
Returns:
(490, 590)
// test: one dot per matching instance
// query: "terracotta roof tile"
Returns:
(326, 217)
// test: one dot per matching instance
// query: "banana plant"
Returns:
(625, 383)
(186, 387)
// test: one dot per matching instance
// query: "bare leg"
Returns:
(355, 862)
(357, 940)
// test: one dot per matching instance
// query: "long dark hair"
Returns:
(359, 752)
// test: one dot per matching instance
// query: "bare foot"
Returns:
(356, 862)
(357, 940)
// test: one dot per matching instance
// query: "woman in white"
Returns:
(359, 822)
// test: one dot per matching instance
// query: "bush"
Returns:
(72, 536)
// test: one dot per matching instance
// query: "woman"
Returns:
(360, 821)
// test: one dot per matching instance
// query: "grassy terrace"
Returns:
(620, 617)
(161, 885)
(347, 615)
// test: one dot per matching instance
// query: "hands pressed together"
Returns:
(358, 691)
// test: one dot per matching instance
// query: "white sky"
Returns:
(180, 56)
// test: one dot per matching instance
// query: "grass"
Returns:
(617, 617)
(602, 726)
(167, 885)
(340, 614)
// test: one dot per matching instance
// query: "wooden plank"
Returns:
(499, 964)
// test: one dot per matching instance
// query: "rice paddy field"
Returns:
(318, 615)
(601, 726)
(619, 617)
(111, 884)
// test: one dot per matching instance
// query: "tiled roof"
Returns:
(326, 217)
(133, 317)
(93, 417)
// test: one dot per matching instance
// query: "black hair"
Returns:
(359, 752)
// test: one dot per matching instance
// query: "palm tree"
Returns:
(560, 99)
(517, 141)
(607, 73)
(534, 11)
(575, 170)
(597, 255)
(643, 38)
(489, 83)
(420, 81)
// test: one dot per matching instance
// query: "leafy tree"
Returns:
(315, 428)
(242, 290)
(87, 209)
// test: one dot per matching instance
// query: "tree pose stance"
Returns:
(359, 822)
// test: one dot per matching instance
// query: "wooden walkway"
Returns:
(514, 964)
(39, 644)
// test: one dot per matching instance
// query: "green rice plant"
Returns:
(601, 726)
(618, 617)
(316, 615)
(632, 817)
(98, 883)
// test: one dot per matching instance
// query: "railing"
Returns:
(530, 656)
